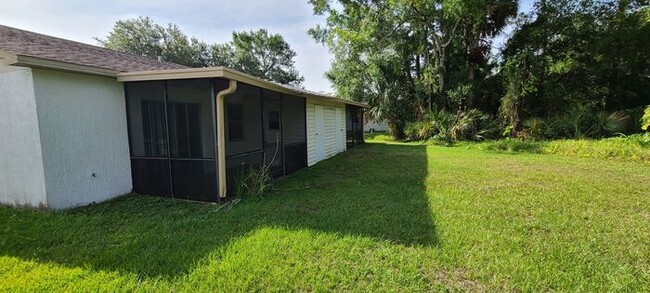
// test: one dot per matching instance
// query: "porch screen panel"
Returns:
(244, 136)
(272, 125)
(146, 116)
(294, 133)
(148, 138)
(353, 125)
(358, 127)
(191, 139)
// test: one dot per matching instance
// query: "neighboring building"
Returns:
(371, 125)
(83, 124)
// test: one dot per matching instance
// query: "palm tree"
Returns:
(486, 20)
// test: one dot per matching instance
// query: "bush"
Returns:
(442, 127)
(632, 147)
(253, 181)
(645, 120)
(579, 123)
(535, 128)
(606, 124)
(514, 145)
(622, 148)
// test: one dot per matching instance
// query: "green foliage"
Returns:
(645, 120)
(573, 64)
(141, 36)
(377, 137)
(581, 123)
(258, 53)
(605, 124)
(572, 123)
(443, 127)
(535, 128)
(583, 56)
(620, 148)
(632, 147)
(253, 181)
(406, 58)
(520, 82)
(514, 145)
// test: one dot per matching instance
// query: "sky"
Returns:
(210, 21)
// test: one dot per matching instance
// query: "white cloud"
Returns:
(211, 21)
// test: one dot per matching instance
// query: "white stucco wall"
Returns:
(334, 143)
(22, 180)
(83, 131)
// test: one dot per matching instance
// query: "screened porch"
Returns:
(173, 141)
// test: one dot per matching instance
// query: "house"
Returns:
(82, 124)
(373, 125)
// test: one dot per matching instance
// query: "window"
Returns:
(274, 120)
(235, 121)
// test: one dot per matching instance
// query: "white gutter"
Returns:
(221, 137)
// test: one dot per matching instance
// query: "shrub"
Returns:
(632, 147)
(645, 120)
(571, 124)
(535, 128)
(253, 181)
(443, 127)
(579, 123)
(604, 124)
(634, 124)
(514, 145)
(616, 147)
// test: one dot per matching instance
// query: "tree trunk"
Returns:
(396, 128)
(471, 76)
(442, 74)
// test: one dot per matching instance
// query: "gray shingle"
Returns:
(21, 42)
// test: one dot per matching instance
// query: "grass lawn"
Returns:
(381, 217)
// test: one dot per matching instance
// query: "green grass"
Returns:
(630, 148)
(380, 217)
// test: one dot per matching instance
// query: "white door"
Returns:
(339, 130)
(320, 133)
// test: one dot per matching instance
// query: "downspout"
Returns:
(221, 137)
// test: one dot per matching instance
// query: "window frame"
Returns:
(240, 121)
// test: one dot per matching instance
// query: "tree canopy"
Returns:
(565, 59)
(259, 53)
(407, 57)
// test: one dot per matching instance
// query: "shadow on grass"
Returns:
(374, 191)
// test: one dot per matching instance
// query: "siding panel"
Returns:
(332, 147)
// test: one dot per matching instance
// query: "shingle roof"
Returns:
(25, 43)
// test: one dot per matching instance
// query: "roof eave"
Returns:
(223, 72)
(35, 62)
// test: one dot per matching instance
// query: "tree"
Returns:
(141, 36)
(482, 20)
(405, 56)
(258, 53)
(372, 58)
(583, 57)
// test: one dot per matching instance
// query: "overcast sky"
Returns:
(210, 21)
